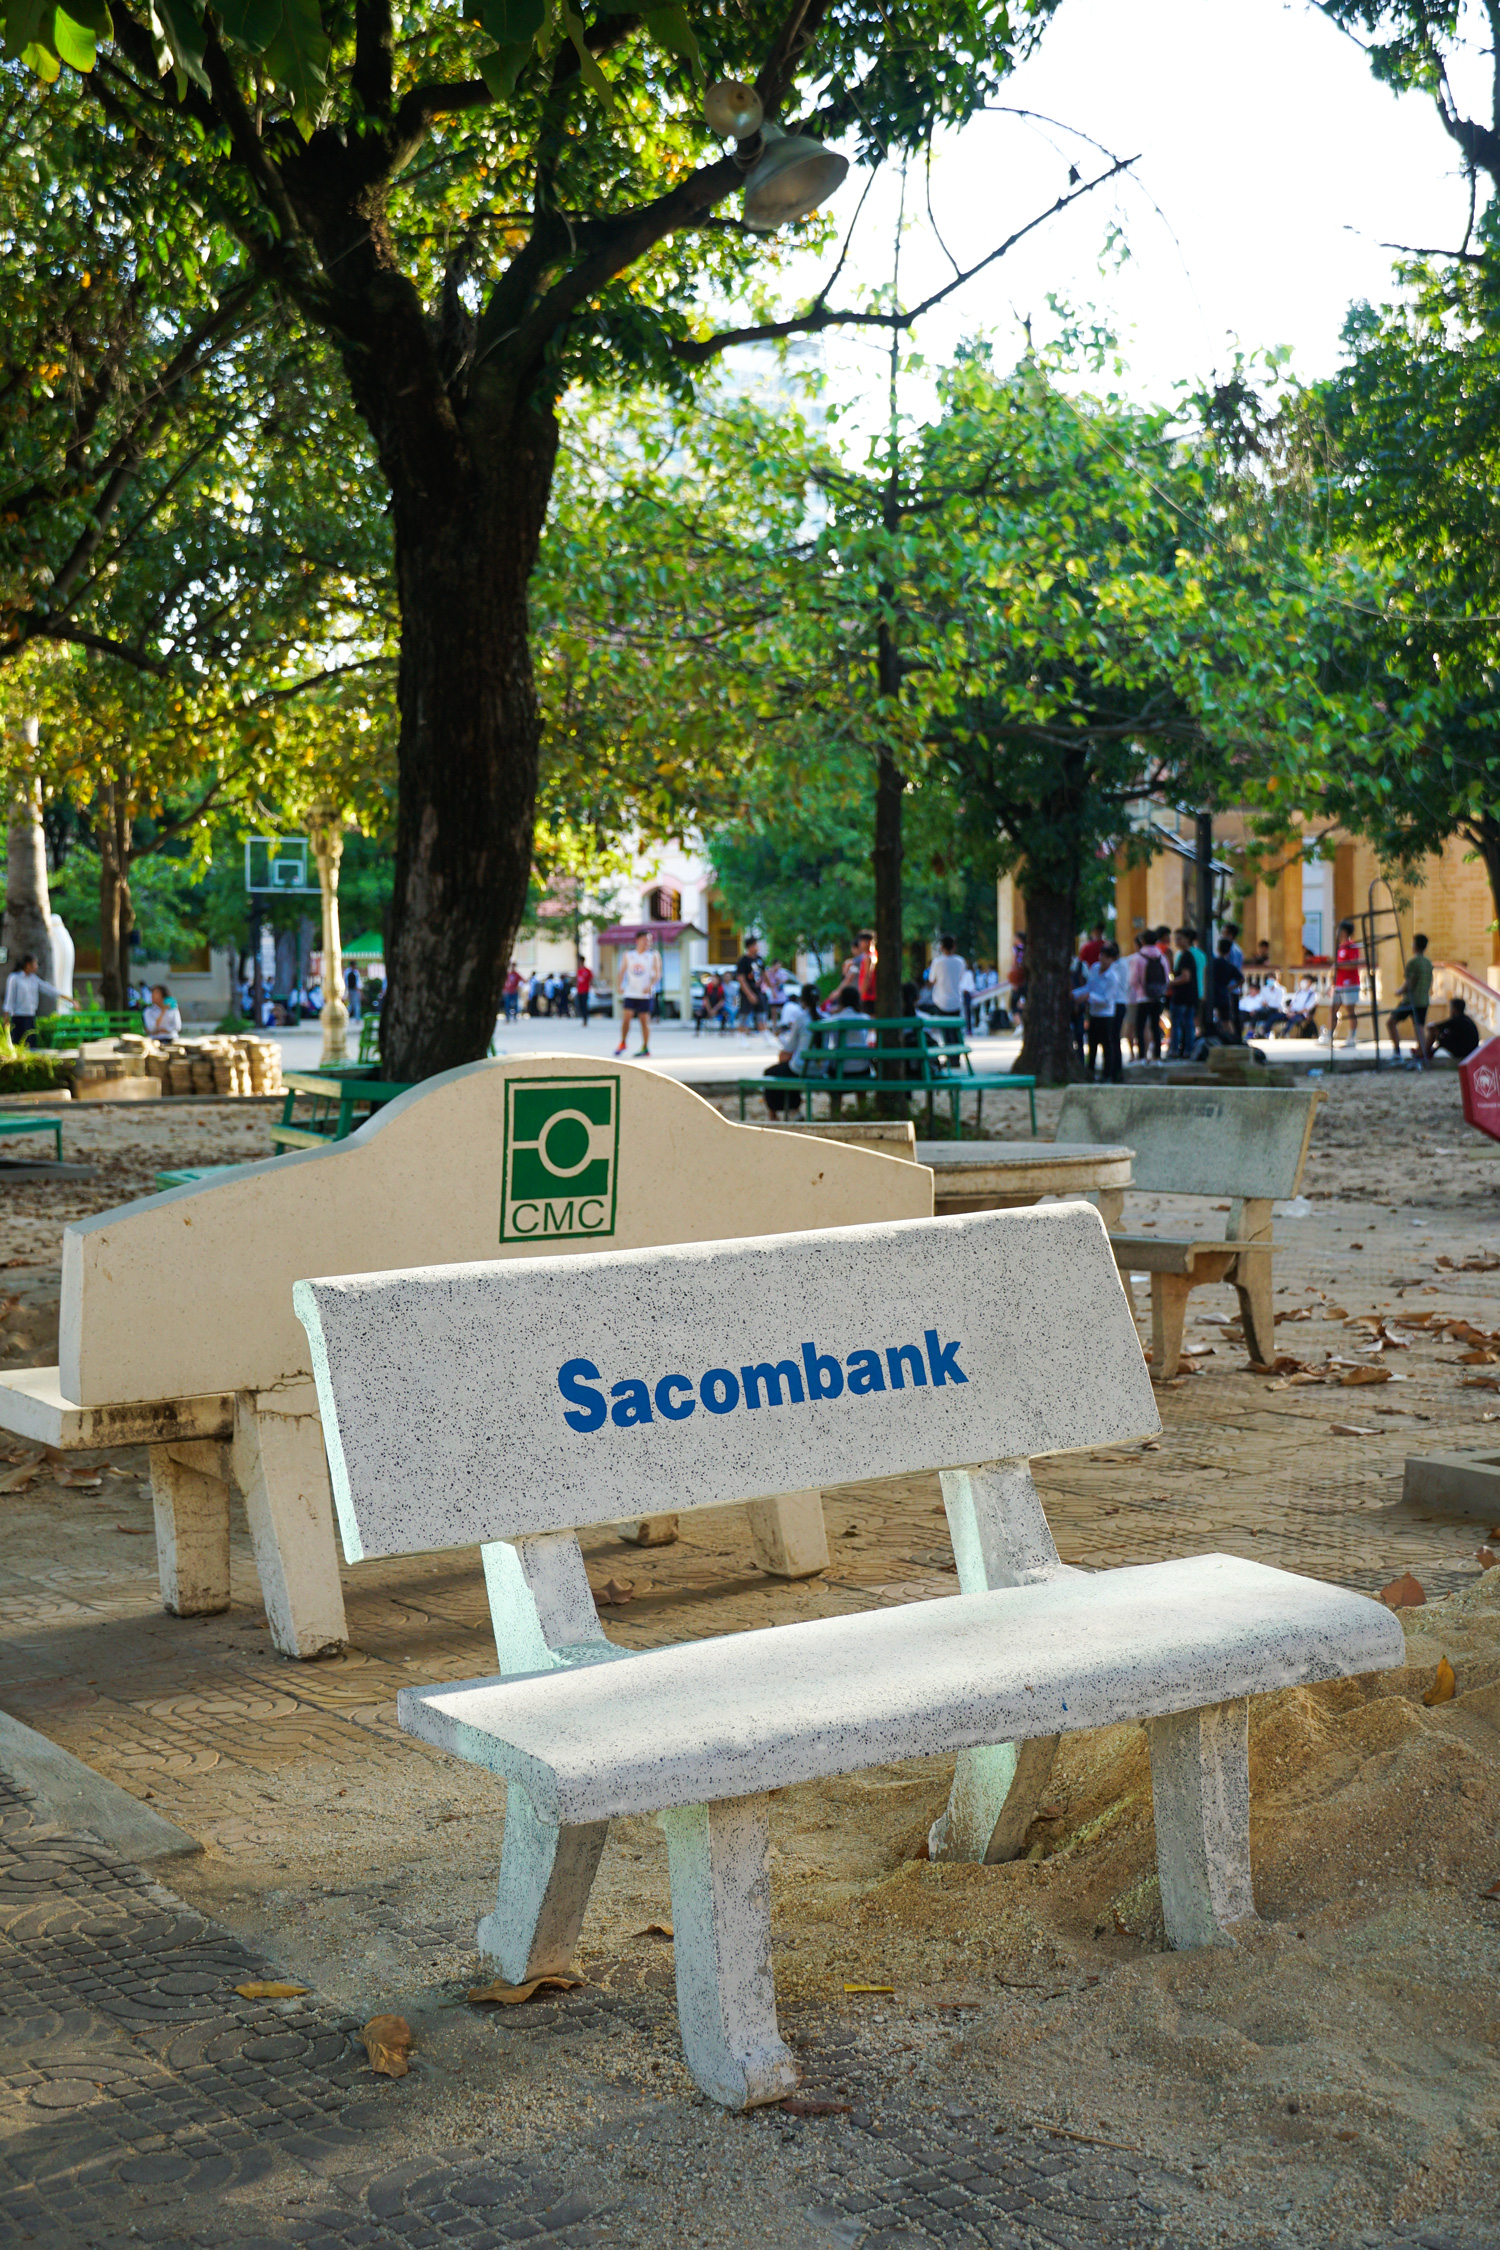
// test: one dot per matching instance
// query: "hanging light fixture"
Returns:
(792, 175)
(732, 109)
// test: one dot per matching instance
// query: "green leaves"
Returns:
(296, 57)
(250, 24)
(179, 28)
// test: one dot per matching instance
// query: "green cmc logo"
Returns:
(562, 1152)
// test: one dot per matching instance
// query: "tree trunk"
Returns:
(1047, 1050)
(27, 906)
(467, 757)
(116, 919)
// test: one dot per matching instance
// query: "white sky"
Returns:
(1272, 169)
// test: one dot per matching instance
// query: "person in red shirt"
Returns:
(868, 958)
(583, 985)
(1346, 962)
(1093, 946)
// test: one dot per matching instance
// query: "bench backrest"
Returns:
(491, 1401)
(191, 1291)
(1191, 1140)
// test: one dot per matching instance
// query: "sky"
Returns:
(1272, 171)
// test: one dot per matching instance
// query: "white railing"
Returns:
(1452, 981)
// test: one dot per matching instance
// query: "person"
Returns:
(797, 1019)
(163, 1017)
(1416, 996)
(709, 1003)
(1345, 985)
(1262, 960)
(1458, 1037)
(1182, 996)
(947, 972)
(751, 991)
(640, 981)
(1302, 1010)
(1231, 930)
(583, 985)
(352, 992)
(1106, 989)
(1228, 985)
(1092, 948)
(1015, 976)
(1156, 957)
(968, 993)
(869, 964)
(23, 993)
(1205, 972)
(534, 995)
(1268, 1006)
(855, 1032)
(510, 997)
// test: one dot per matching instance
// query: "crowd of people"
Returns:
(551, 994)
(1150, 998)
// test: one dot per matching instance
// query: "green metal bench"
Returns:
(52, 1125)
(86, 1023)
(924, 1056)
(335, 1096)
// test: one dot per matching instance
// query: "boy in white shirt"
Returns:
(640, 981)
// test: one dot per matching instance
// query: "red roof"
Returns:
(666, 933)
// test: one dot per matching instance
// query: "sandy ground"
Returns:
(1336, 2071)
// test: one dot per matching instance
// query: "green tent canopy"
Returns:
(369, 947)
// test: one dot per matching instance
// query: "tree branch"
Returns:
(820, 316)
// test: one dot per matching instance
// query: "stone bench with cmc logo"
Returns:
(177, 1329)
(1246, 1144)
(967, 1345)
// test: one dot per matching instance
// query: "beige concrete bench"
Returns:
(177, 1329)
(1246, 1144)
(964, 1345)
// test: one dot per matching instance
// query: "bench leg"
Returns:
(1169, 1296)
(993, 1801)
(546, 1875)
(190, 1497)
(280, 1467)
(788, 1534)
(1110, 1204)
(719, 1858)
(1200, 1787)
(1252, 1286)
(1001, 1537)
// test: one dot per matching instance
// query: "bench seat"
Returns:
(756, 1711)
(1186, 1254)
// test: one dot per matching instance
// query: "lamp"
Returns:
(792, 176)
(732, 109)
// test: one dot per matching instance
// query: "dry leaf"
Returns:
(1353, 1429)
(1486, 1557)
(614, 1593)
(83, 1480)
(19, 1479)
(1481, 1383)
(1442, 1688)
(1283, 1364)
(1492, 1892)
(889, 1990)
(1475, 1359)
(1359, 1375)
(388, 2041)
(511, 1995)
(654, 1929)
(1404, 1592)
(814, 2105)
(1297, 1312)
(269, 1991)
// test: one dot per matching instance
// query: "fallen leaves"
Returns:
(1353, 1429)
(1486, 1557)
(654, 1929)
(1443, 1687)
(264, 1989)
(1283, 1364)
(616, 1592)
(1404, 1592)
(1360, 1375)
(388, 2041)
(512, 1995)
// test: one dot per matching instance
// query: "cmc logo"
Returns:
(562, 1149)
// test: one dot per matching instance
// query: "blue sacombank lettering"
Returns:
(867, 1372)
(576, 1391)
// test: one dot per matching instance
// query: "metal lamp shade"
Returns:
(791, 177)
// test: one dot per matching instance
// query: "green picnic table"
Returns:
(925, 1056)
(336, 1095)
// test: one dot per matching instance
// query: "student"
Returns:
(1105, 990)
(1228, 985)
(163, 1017)
(797, 1019)
(510, 997)
(1302, 1011)
(947, 972)
(1269, 1006)
(640, 981)
(1458, 1037)
(1416, 996)
(1156, 959)
(1092, 948)
(1345, 985)
(23, 994)
(1231, 930)
(747, 977)
(351, 992)
(1183, 989)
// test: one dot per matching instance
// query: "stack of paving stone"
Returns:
(220, 1066)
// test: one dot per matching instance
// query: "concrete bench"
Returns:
(177, 1328)
(52, 1125)
(1246, 1144)
(548, 1401)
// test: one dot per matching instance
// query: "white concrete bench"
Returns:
(507, 1404)
(177, 1329)
(1248, 1144)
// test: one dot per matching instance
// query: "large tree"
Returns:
(477, 212)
